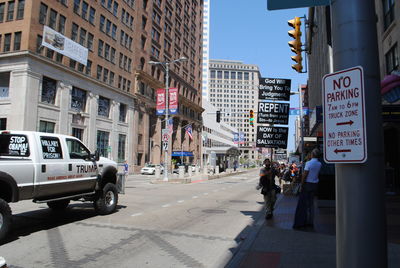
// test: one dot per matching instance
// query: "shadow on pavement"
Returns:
(26, 223)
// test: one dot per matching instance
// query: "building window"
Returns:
(78, 99)
(104, 107)
(53, 19)
(388, 12)
(90, 42)
(99, 71)
(82, 37)
(111, 81)
(122, 113)
(10, 10)
(92, 15)
(61, 24)
(102, 22)
(2, 7)
(42, 13)
(3, 123)
(74, 31)
(77, 133)
(7, 42)
(4, 84)
(85, 8)
(77, 5)
(17, 41)
(20, 9)
(88, 70)
(49, 90)
(102, 142)
(45, 126)
(105, 75)
(121, 147)
(392, 60)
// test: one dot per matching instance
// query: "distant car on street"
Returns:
(150, 169)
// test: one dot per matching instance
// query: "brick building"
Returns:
(110, 102)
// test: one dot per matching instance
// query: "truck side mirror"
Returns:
(96, 156)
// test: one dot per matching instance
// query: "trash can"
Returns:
(121, 177)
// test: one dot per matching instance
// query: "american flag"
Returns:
(188, 129)
(171, 125)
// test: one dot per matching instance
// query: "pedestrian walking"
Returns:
(305, 207)
(267, 185)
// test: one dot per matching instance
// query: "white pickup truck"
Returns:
(53, 169)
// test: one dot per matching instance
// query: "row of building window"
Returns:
(10, 41)
(9, 11)
(79, 99)
(52, 18)
(233, 75)
(233, 66)
(87, 13)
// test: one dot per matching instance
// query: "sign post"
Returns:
(360, 201)
(344, 117)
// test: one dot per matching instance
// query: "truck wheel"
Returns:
(59, 204)
(5, 218)
(106, 200)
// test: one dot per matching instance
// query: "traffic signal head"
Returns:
(218, 116)
(296, 44)
(251, 118)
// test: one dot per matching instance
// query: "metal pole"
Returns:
(360, 205)
(166, 120)
(301, 126)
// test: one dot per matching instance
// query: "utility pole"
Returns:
(360, 205)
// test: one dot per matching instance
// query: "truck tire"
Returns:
(5, 218)
(59, 204)
(106, 200)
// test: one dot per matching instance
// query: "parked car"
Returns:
(150, 169)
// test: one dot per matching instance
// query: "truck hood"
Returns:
(106, 162)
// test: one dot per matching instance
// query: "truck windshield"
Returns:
(14, 145)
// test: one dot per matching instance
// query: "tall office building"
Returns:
(206, 49)
(81, 67)
(233, 89)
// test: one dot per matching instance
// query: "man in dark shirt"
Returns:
(267, 182)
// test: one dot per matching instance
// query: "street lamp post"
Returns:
(301, 122)
(165, 65)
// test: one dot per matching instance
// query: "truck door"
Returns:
(81, 169)
(51, 180)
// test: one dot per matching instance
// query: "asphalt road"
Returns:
(201, 224)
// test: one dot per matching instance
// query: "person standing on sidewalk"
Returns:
(309, 180)
(267, 185)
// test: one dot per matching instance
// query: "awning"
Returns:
(390, 88)
(183, 153)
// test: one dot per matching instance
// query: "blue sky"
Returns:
(245, 30)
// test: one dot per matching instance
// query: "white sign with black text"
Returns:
(345, 139)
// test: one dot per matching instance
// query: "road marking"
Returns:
(216, 190)
(166, 205)
(205, 193)
(195, 196)
(136, 214)
(223, 188)
(181, 201)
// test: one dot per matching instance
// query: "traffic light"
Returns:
(296, 43)
(251, 119)
(218, 116)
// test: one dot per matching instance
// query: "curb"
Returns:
(199, 178)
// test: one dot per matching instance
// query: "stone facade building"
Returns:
(109, 103)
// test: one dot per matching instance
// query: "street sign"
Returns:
(285, 4)
(273, 113)
(272, 137)
(165, 145)
(274, 89)
(165, 137)
(345, 139)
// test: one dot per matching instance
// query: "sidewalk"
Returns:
(276, 244)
